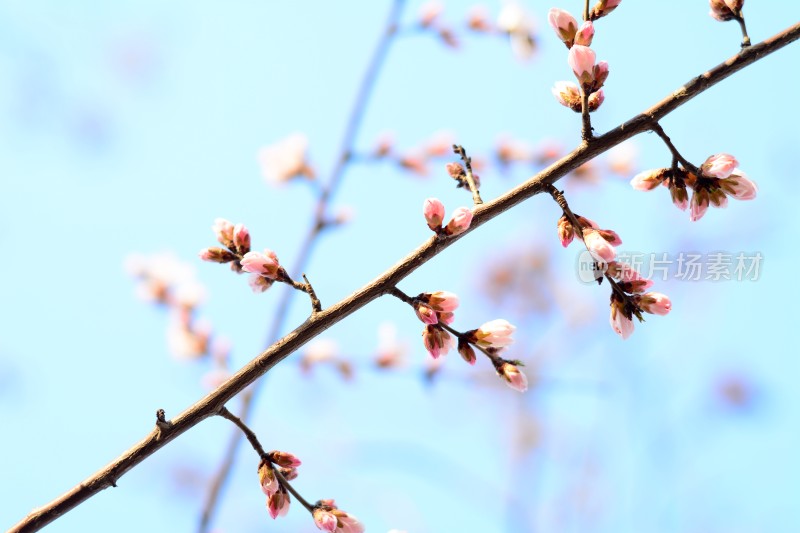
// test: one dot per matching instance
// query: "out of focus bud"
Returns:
(514, 377)
(216, 255)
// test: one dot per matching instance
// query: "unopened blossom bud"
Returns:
(478, 19)
(466, 351)
(426, 314)
(717, 198)
(611, 236)
(289, 473)
(259, 283)
(655, 303)
(278, 504)
(565, 231)
(599, 247)
(462, 218)
(514, 377)
(324, 520)
(442, 301)
(581, 59)
(436, 340)
(603, 8)
(719, 166)
(493, 334)
(216, 255)
(328, 517)
(599, 75)
(241, 239)
(456, 171)
(587, 222)
(266, 476)
(680, 196)
(699, 204)
(284, 459)
(636, 286)
(739, 186)
(649, 179)
(265, 264)
(585, 34)
(620, 323)
(433, 211)
(723, 10)
(564, 25)
(568, 94)
(596, 99)
(223, 229)
(429, 12)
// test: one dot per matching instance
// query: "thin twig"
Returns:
(473, 187)
(676, 155)
(211, 404)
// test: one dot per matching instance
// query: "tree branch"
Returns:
(212, 403)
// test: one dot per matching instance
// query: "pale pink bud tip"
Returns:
(265, 264)
(433, 211)
(564, 24)
(494, 334)
(649, 179)
(284, 459)
(223, 229)
(599, 247)
(622, 325)
(443, 301)
(739, 186)
(462, 218)
(581, 59)
(514, 377)
(719, 165)
(655, 303)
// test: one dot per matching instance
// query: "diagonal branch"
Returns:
(212, 403)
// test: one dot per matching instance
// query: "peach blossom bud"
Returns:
(596, 99)
(636, 286)
(466, 351)
(599, 247)
(699, 205)
(426, 314)
(462, 218)
(680, 196)
(585, 34)
(348, 522)
(655, 303)
(717, 198)
(603, 8)
(719, 166)
(564, 24)
(600, 74)
(622, 325)
(723, 10)
(433, 211)
(216, 255)
(429, 12)
(285, 159)
(266, 476)
(414, 163)
(223, 229)
(494, 334)
(611, 236)
(581, 59)
(456, 171)
(442, 301)
(568, 94)
(241, 239)
(284, 459)
(259, 283)
(565, 231)
(289, 473)
(514, 377)
(587, 222)
(324, 520)
(437, 341)
(478, 19)
(265, 264)
(278, 504)
(739, 186)
(649, 179)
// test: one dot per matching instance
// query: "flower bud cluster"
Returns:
(277, 497)
(328, 517)
(599, 242)
(712, 183)
(433, 211)
(629, 298)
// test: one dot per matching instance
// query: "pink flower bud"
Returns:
(649, 179)
(581, 59)
(462, 218)
(514, 377)
(611, 236)
(241, 239)
(426, 314)
(596, 99)
(284, 459)
(565, 231)
(478, 19)
(564, 24)
(621, 324)
(466, 352)
(278, 504)
(603, 8)
(437, 341)
(585, 34)
(719, 166)
(599, 74)
(717, 198)
(598, 246)
(265, 264)
(655, 303)
(723, 10)
(739, 186)
(429, 12)
(267, 478)
(568, 94)
(456, 171)
(442, 301)
(216, 255)
(699, 205)
(433, 211)
(324, 520)
(680, 196)
(259, 283)
(223, 229)
(493, 334)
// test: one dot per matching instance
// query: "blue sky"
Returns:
(128, 127)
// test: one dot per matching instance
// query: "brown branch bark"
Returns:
(214, 401)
